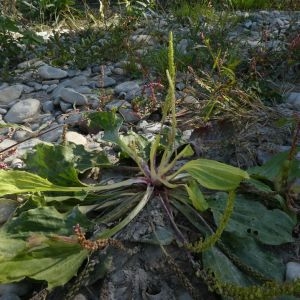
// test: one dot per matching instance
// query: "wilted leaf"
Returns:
(214, 175)
(252, 219)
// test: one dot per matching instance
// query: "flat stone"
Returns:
(102, 82)
(10, 93)
(71, 96)
(129, 115)
(7, 208)
(119, 71)
(144, 39)
(48, 72)
(22, 111)
(9, 296)
(32, 63)
(117, 104)
(294, 100)
(130, 95)
(48, 106)
(65, 106)
(292, 271)
(52, 135)
(126, 87)
(21, 135)
(18, 288)
(7, 143)
(190, 100)
(76, 138)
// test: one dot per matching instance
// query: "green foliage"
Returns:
(45, 10)
(16, 42)
(38, 240)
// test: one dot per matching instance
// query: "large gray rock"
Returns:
(22, 111)
(48, 72)
(10, 93)
(71, 96)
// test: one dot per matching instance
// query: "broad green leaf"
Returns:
(108, 121)
(18, 182)
(45, 220)
(215, 260)
(55, 263)
(273, 168)
(191, 215)
(252, 219)
(9, 247)
(196, 196)
(54, 162)
(214, 175)
(250, 253)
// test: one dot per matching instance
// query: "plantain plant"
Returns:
(48, 199)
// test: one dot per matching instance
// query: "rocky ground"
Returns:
(43, 99)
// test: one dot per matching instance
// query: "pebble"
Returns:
(126, 86)
(76, 138)
(71, 96)
(10, 93)
(292, 271)
(20, 288)
(49, 72)
(294, 99)
(52, 136)
(48, 106)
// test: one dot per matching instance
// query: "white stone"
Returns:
(71, 96)
(76, 138)
(292, 271)
(48, 72)
(22, 111)
(10, 93)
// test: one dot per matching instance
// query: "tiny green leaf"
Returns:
(108, 121)
(196, 196)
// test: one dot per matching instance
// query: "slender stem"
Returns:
(170, 215)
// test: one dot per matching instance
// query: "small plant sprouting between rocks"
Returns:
(48, 200)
